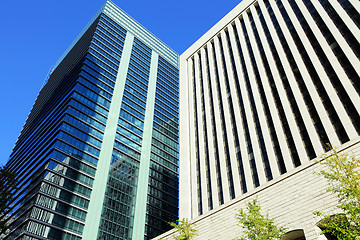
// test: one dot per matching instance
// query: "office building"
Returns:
(261, 95)
(98, 155)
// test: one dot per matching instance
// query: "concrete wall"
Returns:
(290, 200)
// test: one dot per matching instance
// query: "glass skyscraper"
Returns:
(98, 155)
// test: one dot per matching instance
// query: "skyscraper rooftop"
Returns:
(98, 155)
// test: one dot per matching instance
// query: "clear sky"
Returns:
(34, 34)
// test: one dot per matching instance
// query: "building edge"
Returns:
(221, 24)
(129, 24)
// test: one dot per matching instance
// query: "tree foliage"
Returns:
(8, 186)
(257, 226)
(344, 178)
(185, 229)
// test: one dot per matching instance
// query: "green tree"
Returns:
(344, 177)
(8, 186)
(257, 226)
(184, 229)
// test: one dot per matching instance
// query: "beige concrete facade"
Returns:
(255, 87)
(290, 200)
(261, 94)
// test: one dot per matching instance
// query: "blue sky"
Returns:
(34, 34)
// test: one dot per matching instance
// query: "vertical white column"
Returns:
(210, 136)
(227, 118)
(356, 4)
(231, 137)
(247, 105)
(227, 127)
(288, 112)
(333, 61)
(338, 37)
(201, 138)
(347, 20)
(324, 79)
(219, 135)
(185, 171)
(273, 108)
(259, 105)
(192, 109)
(314, 137)
(93, 217)
(143, 178)
(237, 109)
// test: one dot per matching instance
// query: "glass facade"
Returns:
(61, 147)
(162, 199)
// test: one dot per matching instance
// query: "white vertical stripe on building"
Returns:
(210, 137)
(277, 122)
(347, 20)
(324, 79)
(355, 98)
(228, 118)
(275, 94)
(241, 132)
(248, 109)
(217, 175)
(340, 39)
(219, 136)
(201, 139)
(288, 111)
(356, 4)
(143, 177)
(192, 142)
(185, 171)
(237, 124)
(260, 108)
(331, 57)
(93, 220)
(223, 96)
(314, 137)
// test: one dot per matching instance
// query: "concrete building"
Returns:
(261, 94)
(98, 155)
